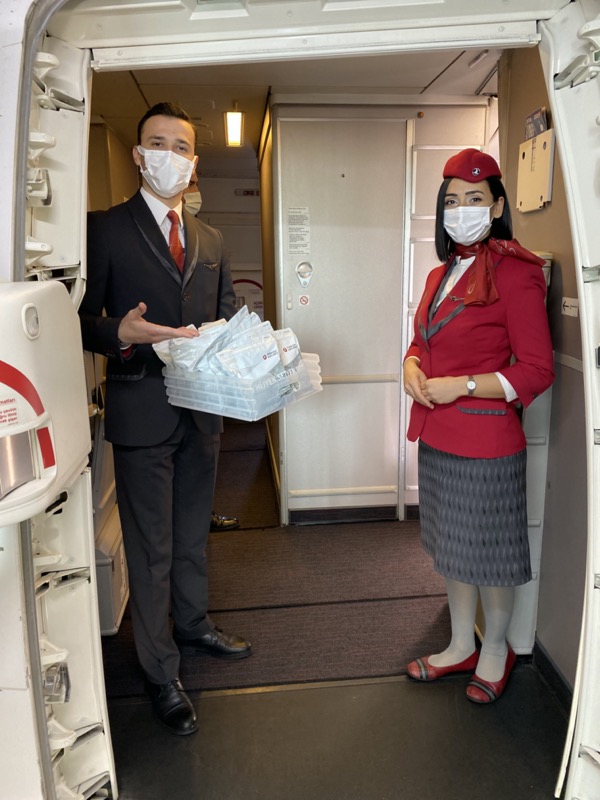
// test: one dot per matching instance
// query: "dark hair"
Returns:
(501, 227)
(164, 110)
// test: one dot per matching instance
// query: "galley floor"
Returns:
(377, 739)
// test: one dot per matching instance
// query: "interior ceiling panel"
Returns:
(208, 54)
(206, 92)
(107, 23)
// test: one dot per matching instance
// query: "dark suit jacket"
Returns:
(510, 336)
(129, 261)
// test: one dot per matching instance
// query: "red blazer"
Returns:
(510, 336)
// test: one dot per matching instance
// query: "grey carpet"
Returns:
(319, 564)
(329, 602)
(318, 602)
(301, 644)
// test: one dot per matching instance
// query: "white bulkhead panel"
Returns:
(42, 390)
(57, 156)
(571, 58)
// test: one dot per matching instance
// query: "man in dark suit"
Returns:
(149, 275)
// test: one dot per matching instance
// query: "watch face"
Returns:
(471, 385)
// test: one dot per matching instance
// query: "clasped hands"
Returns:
(134, 329)
(430, 391)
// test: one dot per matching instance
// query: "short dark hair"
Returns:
(501, 227)
(164, 110)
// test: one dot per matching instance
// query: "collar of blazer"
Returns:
(192, 245)
(150, 231)
(428, 325)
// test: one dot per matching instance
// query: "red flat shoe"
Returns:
(422, 670)
(480, 691)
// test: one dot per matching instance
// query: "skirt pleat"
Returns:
(473, 515)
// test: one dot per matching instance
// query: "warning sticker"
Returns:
(9, 411)
(298, 231)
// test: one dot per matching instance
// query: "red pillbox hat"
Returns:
(471, 165)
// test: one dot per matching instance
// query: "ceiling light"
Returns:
(478, 58)
(234, 127)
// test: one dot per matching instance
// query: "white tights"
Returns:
(497, 603)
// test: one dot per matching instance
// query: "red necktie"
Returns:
(174, 241)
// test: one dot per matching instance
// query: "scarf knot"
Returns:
(481, 284)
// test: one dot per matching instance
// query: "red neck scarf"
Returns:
(481, 286)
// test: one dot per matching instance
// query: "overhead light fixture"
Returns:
(234, 127)
(478, 58)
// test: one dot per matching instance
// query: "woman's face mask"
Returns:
(467, 224)
(166, 172)
(193, 202)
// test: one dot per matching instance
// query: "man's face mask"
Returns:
(467, 224)
(193, 202)
(166, 172)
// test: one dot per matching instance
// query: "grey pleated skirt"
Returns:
(474, 517)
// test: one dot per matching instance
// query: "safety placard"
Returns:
(298, 231)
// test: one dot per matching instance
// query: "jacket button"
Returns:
(186, 297)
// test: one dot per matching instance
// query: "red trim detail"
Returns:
(247, 280)
(16, 380)
(45, 440)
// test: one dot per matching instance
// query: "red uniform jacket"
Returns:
(510, 336)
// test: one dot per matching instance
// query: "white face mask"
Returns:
(193, 202)
(166, 172)
(467, 224)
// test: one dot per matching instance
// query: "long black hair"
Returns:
(501, 227)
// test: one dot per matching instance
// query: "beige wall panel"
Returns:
(98, 177)
(124, 175)
(548, 228)
(522, 90)
(458, 126)
(562, 572)
(112, 175)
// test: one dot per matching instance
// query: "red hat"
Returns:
(471, 165)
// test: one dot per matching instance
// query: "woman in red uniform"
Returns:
(481, 347)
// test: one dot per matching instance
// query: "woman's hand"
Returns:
(134, 329)
(414, 379)
(439, 391)
(443, 390)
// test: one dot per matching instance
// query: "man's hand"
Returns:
(134, 329)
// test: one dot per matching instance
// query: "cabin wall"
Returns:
(112, 174)
(522, 90)
(265, 160)
(232, 205)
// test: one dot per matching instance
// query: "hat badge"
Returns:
(475, 171)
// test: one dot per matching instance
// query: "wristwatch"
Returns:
(471, 385)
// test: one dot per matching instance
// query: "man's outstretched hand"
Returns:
(134, 329)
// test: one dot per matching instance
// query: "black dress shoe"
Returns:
(172, 706)
(219, 523)
(215, 643)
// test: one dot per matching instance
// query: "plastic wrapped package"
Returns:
(241, 369)
(242, 398)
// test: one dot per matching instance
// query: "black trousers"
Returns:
(165, 497)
